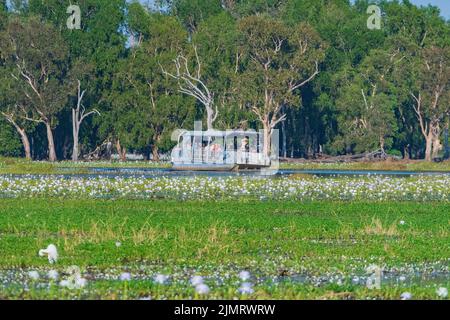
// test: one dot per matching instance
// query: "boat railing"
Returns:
(218, 157)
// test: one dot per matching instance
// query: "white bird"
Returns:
(51, 252)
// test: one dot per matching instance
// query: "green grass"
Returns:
(22, 166)
(267, 238)
(412, 165)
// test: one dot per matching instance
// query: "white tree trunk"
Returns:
(51, 143)
(23, 135)
(75, 133)
(428, 146)
(25, 142)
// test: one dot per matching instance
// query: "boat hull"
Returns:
(215, 167)
(204, 167)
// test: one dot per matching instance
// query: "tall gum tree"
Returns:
(11, 110)
(366, 103)
(431, 96)
(277, 62)
(9, 101)
(146, 106)
(38, 54)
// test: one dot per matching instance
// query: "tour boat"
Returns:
(215, 150)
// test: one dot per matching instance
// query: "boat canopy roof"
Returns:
(218, 133)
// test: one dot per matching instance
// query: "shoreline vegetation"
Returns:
(22, 166)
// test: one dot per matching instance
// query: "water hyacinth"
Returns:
(34, 275)
(126, 276)
(53, 275)
(374, 188)
(196, 280)
(161, 278)
(406, 296)
(442, 292)
(74, 283)
(75, 280)
(246, 288)
(244, 275)
(202, 289)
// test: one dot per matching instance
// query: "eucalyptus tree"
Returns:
(192, 12)
(39, 56)
(100, 44)
(423, 38)
(430, 89)
(81, 77)
(11, 106)
(343, 27)
(367, 104)
(217, 41)
(145, 105)
(11, 111)
(278, 63)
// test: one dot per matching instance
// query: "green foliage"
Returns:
(367, 105)
(145, 107)
(38, 54)
(193, 12)
(10, 145)
(122, 45)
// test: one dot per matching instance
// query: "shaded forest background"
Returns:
(310, 68)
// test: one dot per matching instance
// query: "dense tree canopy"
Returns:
(311, 68)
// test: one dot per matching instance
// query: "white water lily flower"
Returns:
(74, 283)
(160, 278)
(53, 275)
(51, 252)
(202, 289)
(442, 292)
(125, 276)
(34, 275)
(244, 275)
(406, 296)
(196, 280)
(246, 288)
